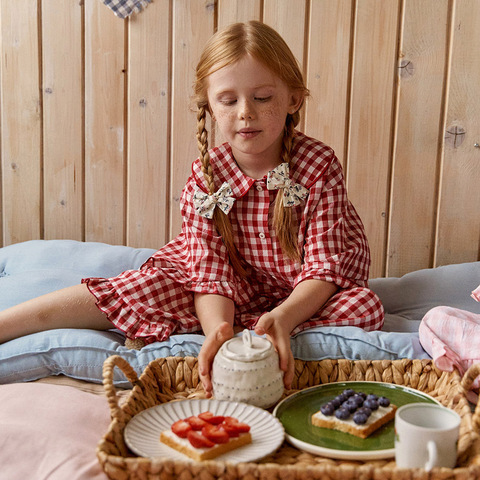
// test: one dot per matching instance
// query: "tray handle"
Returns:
(467, 381)
(110, 391)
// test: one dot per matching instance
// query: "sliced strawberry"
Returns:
(181, 428)
(197, 440)
(242, 427)
(233, 425)
(230, 429)
(211, 418)
(196, 422)
(215, 434)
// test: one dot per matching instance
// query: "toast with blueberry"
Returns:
(355, 412)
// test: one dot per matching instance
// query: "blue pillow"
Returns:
(36, 267)
(80, 353)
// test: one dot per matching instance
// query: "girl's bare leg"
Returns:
(71, 307)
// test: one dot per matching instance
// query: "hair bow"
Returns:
(279, 178)
(205, 203)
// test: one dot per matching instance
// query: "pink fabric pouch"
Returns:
(451, 336)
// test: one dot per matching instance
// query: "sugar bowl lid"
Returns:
(247, 348)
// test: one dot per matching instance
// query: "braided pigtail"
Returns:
(220, 219)
(284, 221)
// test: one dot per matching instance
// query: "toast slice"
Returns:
(184, 446)
(205, 437)
(349, 426)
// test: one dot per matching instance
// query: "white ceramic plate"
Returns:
(142, 433)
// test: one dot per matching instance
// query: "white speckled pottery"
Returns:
(246, 369)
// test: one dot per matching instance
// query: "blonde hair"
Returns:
(225, 48)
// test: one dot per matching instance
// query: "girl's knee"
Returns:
(358, 306)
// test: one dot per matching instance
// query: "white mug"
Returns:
(426, 436)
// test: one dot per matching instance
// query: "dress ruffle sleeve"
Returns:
(335, 247)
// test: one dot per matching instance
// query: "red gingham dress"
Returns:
(156, 300)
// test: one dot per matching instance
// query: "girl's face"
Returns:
(250, 104)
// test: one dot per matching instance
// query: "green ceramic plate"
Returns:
(295, 411)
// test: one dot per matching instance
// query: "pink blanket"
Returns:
(452, 338)
(476, 294)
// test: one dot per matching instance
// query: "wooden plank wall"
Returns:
(97, 133)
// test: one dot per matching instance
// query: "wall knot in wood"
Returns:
(454, 136)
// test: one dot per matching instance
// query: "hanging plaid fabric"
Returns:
(124, 8)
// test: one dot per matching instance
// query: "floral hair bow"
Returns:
(293, 194)
(205, 203)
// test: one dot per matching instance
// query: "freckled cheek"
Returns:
(224, 115)
(225, 119)
(272, 111)
(273, 117)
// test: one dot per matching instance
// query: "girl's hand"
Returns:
(215, 314)
(213, 341)
(306, 299)
(270, 325)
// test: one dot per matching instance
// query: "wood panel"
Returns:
(328, 67)
(421, 73)
(459, 201)
(105, 72)
(148, 136)
(98, 134)
(62, 93)
(231, 11)
(370, 122)
(20, 121)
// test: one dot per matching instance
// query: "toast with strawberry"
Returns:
(206, 436)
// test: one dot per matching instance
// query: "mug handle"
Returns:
(432, 455)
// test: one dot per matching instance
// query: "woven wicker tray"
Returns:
(172, 378)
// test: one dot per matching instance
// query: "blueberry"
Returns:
(348, 392)
(357, 399)
(349, 405)
(342, 397)
(327, 409)
(365, 411)
(342, 413)
(360, 418)
(336, 402)
(362, 394)
(371, 404)
(383, 401)
(372, 397)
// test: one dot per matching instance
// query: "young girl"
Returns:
(269, 240)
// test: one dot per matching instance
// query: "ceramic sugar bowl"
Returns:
(246, 369)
